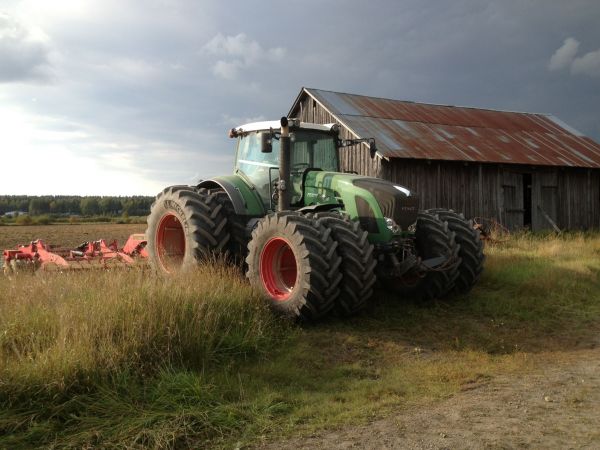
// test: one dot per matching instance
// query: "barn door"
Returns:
(512, 196)
(545, 200)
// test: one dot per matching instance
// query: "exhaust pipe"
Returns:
(284, 167)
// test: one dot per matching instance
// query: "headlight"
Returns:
(403, 190)
(392, 226)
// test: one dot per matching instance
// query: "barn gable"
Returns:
(522, 169)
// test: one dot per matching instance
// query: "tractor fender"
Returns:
(245, 201)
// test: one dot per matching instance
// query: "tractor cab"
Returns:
(312, 148)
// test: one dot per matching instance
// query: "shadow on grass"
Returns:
(521, 303)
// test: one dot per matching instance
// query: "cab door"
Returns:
(261, 169)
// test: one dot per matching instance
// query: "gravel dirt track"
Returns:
(557, 405)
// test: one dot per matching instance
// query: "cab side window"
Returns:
(255, 164)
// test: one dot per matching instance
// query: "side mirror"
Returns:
(266, 145)
(372, 148)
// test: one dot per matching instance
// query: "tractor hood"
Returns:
(381, 207)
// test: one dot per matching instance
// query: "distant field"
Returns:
(66, 235)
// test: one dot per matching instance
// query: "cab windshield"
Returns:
(309, 149)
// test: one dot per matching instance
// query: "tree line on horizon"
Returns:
(76, 205)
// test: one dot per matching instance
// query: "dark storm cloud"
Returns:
(473, 53)
(23, 56)
(162, 81)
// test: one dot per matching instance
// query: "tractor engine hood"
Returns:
(396, 202)
(383, 208)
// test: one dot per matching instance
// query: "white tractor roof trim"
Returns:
(275, 125)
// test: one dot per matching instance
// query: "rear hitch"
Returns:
(401, 268)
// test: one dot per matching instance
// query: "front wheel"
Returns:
(292, 260)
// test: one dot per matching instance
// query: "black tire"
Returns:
(184, 228)
(470, 252)
(236, 225)
(433, 238)
(358, 265)
(293, 261)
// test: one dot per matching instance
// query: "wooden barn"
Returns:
(521, 169)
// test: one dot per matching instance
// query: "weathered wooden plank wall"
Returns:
(569, 196)
(578, 198)
(474, 189)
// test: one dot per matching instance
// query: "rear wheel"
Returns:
(358, 265)
(470, 252)
(433, 239)
(293, 261)
(184, 227)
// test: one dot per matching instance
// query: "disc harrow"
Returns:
(37, 255)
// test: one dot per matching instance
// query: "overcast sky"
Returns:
(129, 96)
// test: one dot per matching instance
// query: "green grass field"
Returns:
(122, 359)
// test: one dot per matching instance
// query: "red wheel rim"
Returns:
(278, 269)
(170, 242)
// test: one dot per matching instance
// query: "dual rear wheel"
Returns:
(185, 227)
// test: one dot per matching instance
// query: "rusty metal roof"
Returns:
(404, 129)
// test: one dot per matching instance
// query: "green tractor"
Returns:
(313, 239)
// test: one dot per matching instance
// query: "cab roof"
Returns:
(275, 124)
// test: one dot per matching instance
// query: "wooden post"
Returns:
(549, 220)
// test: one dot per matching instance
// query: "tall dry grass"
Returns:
(567, 246)
(119, 358)
(549, 266)
(56, 329)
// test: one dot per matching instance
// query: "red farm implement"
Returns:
(95, 254)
